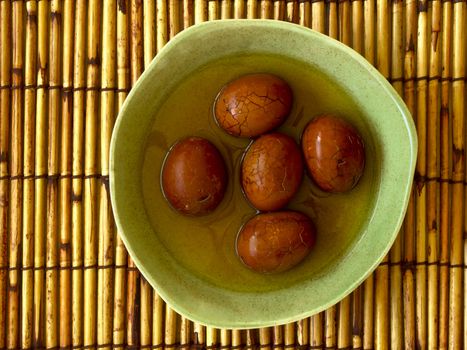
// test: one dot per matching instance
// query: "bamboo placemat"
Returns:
(66, 280)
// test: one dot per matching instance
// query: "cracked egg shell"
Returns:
(194, 177)
(275, 242)
(272, 170)
(253, 104)
(334, 153)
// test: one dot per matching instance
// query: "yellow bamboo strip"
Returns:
(174, 17)
(278, 337)
(369, 30)
(445, 156)
(123, 83)
(303, 332)
(5, 80)
(226, 9)
(149, 25)
(330, 327)
(333, 24)
(236, 338)
(65, 181)
(266, 9)
(345, 27)
(252, 9)
(171, 317)
(251, 338)
(458, 176)
(133, 277)
(368, 319)
(343, 328)
(213, 10)
(16, 185)
(146, 313)
(212, 337)
(433, 172)
(226, 338)
(30, 77)
(289, 335)
(292, 11)
(90, 224)
(161, 23)
(185, 329)
(409, 224)
(201, 10)
(106, 228)
(265, 338)
(305, 13)
(157, 320)
(189, 15)
(279, 10)
(79, 82)
(239, 8)
(318, 21)
(199, 334)
(53, 127)
(420, 197)
(316, 330)
(357, 321)
(357, 26)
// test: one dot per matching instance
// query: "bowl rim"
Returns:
(182, 308)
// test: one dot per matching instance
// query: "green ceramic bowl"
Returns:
(192, 261)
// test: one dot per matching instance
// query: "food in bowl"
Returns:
(276, 242)
(253, 104)
(272, 171)
(334, 153)
(194, 177)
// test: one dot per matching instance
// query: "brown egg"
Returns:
(272, 171)
(194, 177)
(275, 242)
(253, 105)
(334, 153)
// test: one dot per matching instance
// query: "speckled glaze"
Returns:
(383, 113)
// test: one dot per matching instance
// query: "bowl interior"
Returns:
(192, 261)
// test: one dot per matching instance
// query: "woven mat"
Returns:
(66, 280)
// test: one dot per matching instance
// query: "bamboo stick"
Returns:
(357, 320)
(304, 13)
(239, 8)
(236, 338)
(199, 334)
(157, 320)
(265, 338)
(64, 214)
(174, 18)
(266, 9)
(343, 327)
(292, 11)
(149, 27)
(133, 276)
(333, 24)
(79, 83)
(226, 338)
(162, 25)
(303, 332)
(28, 171)
(409, 224)
(433, 173)
(212, 337)
(420, 194)
(289, 335)
(369, 30)
(90, 224)
(5, 80)
(189, 15)
(51, 257)
(445, 156)
(279, 10)
(318, 17)
(201, 10)
(458, 176)
(213, 10)
(16, 183)
(170, 338)
(345, 27)
(330, 327)
(185, 329)
(357, 26)
(106, 226)
(226, 9)
(316, 330)
(251, 338)
(278, 337)
(252, 9)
